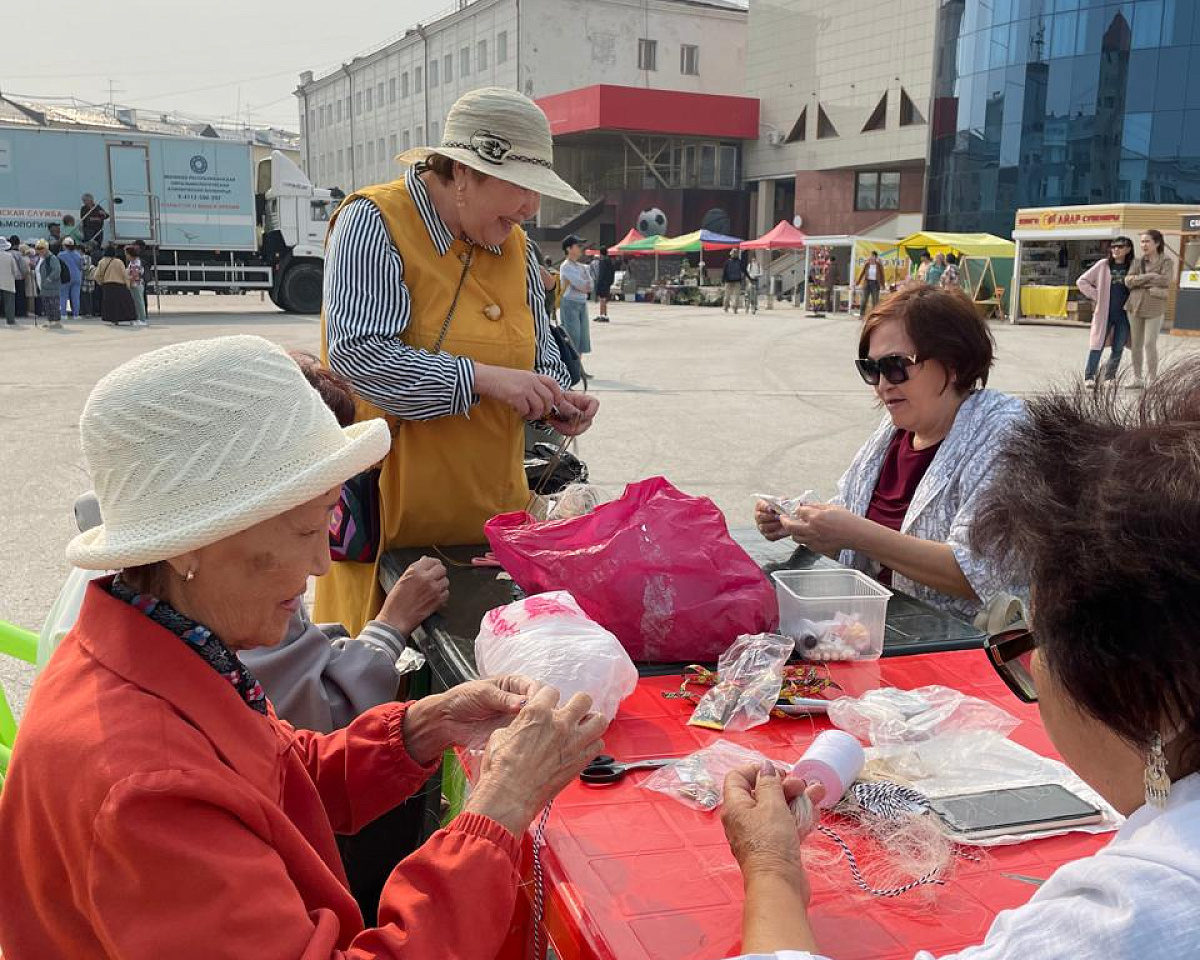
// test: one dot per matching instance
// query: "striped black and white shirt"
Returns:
(367, 308)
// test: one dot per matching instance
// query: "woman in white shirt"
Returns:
(1098, 502)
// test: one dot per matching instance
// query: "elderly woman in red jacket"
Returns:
(155, 805)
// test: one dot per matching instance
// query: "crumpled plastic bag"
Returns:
(549, 638)
(656, 566)
(698, 780)
(751, 676)
(889, 715)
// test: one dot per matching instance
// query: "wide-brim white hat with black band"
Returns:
(504, 134)
(198, 441)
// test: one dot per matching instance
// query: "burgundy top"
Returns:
(901, 473)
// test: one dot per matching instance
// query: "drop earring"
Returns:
(1158, 784)
(189, 576)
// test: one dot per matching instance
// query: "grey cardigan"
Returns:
(320, 679)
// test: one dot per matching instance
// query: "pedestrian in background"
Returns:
(71, 231)
(870, 278)
(606, 271)
(1104, 284)
(923, 268)
(951, 276)
(753, 275)
(102, 262)
(72, 290)
(21, 259)
(137, 285)
(733, 275)
(933, 276)
(1148, 280)
(576, 280)
(550, 282)
(118, 304)
(92, 217)
(9, 278)
(29, 254)
(49, 278)
(87, 289)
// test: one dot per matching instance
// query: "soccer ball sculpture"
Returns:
(652, 223)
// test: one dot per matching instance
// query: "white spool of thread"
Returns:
(834, 759)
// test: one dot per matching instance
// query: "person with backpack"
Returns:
(49, 277)
(733, 276)
(950, 276)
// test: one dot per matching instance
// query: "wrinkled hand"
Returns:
(423, 588)
(767, 521)
(578, 411)
(822, 527)
(530, 394)
(473, 711)
(760, 827)
(528, 762)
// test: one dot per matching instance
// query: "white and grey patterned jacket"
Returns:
(944, 502)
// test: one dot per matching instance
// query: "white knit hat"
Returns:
(504, 134)
(195, 442)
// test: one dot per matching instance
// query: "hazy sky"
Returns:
(198, 58)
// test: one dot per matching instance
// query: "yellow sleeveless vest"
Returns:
(444, 478)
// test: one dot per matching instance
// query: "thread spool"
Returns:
(834, 759)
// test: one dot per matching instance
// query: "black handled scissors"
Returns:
(604, 769)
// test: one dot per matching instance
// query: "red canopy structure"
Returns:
(783, 236)
(630, 237)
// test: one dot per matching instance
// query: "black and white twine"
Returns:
(539, 883)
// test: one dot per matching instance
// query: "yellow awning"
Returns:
(968, 244)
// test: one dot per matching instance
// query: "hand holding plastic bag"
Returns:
(889, 715)
(550, 639)
(751, 675)
(699, 778)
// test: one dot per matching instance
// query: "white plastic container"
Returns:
(832, 614)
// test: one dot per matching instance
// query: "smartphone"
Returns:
(995, 813)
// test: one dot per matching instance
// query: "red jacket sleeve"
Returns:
(189, 865)
(363, 770)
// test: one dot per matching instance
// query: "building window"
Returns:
(404, 85)
(347, 107)
(379, 95)
(370, 153)
(393, 146)
(877, 190)
(312, 121)
(418, 79)
(878, 118)
(358, 104)
(689, 60)
(448, 68)
(367, 103)
(433, 74)
(464, 61)
(392, 90)
(337, 110)
(502, 47)
(433, 135)
(910, 116)
(341, 161)
(799, 129)
(647, 54)
(825, 128)
(481, 56)
(420, 137)
(329, 114)
(380, 156)
(407, 140)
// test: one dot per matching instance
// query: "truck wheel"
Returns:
(301, 288)
(275, 299)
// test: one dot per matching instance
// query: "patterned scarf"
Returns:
(200, 639)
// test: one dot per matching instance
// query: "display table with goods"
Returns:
(639, 867)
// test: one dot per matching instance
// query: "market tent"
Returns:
(783, 236)
(697, 241)
(962, 244)
(646, 245)
(860, 248)
(631, 237)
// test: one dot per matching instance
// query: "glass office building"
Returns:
(1060, 102)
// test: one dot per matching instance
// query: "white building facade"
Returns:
(355, 120)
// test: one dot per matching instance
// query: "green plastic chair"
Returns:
(21, 644)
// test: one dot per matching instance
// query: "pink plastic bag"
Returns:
(656, 567)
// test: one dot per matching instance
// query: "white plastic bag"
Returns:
(888, 715)
(547, 637)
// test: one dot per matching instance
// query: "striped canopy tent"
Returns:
(697, 242)
(783, 236)
(631, 237)
(642, 247)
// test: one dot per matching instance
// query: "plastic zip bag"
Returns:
(889, 715)
(751, 676)
(698, 780)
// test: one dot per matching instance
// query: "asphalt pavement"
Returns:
(723, 406)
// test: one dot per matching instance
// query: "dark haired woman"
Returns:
(1148, 280)
(116, 303)
(1104, 284)
(435, 311)
(903, 510)
(1097, 500)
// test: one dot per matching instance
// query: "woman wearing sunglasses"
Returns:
(903, 510)
(1104, 284)
(1099, 502)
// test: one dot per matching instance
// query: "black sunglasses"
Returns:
(893, 368)
(1010, 652)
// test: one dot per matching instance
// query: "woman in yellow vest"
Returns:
(435, 313)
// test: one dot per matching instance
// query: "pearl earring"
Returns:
(190, 576)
